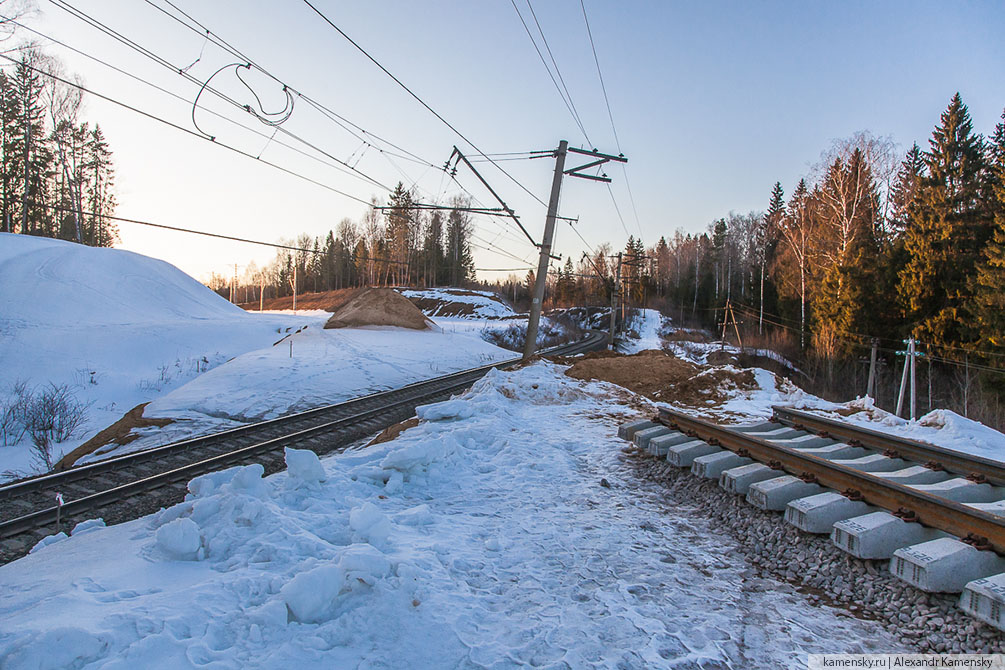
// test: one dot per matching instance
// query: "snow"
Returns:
(486, 305)
(647, 324)
(122, 329)
(942, 427)
(303, 467)
(312, 368)
(479, 538)
(118, 328)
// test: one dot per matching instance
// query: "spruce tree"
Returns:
(989, 293)
(905, 188)
(949, 225)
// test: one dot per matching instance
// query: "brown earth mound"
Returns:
(119, 432)
(379, 307)
(656, 375)
(329, 301)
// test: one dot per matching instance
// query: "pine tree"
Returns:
(32, 167)
(99, 180)
(767, 237)
(989, 293)
(905, 188)
(949, 225)
(792, 267)
(459, 260)
(10, 149)
(398, 231)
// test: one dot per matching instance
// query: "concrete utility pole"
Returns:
(530, 346)
(537, 299)
(870, 387)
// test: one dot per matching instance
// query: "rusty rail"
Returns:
(952, 461)
(931, 510)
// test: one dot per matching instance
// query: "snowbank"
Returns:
(118, 328)
(643, 331)
(479, 538)
(308, 369)
(464, 303)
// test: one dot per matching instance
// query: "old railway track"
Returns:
(128, 486)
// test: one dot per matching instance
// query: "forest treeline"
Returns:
(397, 244)
(56, 171)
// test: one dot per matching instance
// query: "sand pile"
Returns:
(656, 375)
(379, 307)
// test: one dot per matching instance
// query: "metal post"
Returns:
(530, 346)
(870, 387)
(614, 304)
(914, 404)
(903, 385)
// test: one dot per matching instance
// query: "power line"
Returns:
(610, 115)
(174, 228)
(184, 130)
(325, 111)
(339, 120)
(566, 98)
(170, 93)
(135, 46)
(421, 101)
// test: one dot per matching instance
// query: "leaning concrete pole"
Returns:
(542, 266)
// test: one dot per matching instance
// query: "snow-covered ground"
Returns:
(308, 369)
(120, 329)
(481, 538)
(647, 324)
(484, 304)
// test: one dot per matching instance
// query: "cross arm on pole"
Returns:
(505, 207)
(600, 159)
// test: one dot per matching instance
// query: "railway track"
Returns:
(935, 516)
(129, 486)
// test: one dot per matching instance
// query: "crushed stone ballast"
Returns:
(131, 485)
(934, 514)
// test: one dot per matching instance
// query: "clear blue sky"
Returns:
(713, 102)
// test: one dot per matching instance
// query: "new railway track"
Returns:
(128, 486)
(937, 516)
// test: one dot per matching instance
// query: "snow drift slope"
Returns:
(51, 282)
(481, 538)
(118, 327)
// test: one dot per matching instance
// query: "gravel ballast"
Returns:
(931, 623)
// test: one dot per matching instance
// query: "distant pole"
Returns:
(261, 293)
(614, 304)
(294, 296)
(903, 384)
(914, 405)
(870, 387)
(530, 346)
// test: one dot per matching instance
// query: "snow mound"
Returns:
(52, 282)
(455, 302)
(304, 467)
(115, 328)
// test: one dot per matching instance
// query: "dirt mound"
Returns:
(379, 307)
(329, 301)
(656, 375)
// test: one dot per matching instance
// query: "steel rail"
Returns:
(406, 397)
(951, 461)
(931, 510)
